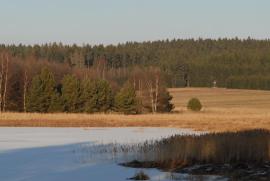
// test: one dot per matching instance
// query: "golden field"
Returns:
(224, 110)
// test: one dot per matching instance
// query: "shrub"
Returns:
(194, 104)
(140, 176)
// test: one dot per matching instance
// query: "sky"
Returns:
(118, 21)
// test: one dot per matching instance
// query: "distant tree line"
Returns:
(148, 67)
(41, 86)
(229, 62)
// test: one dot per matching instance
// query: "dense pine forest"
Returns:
(231, 62)
(145, 68)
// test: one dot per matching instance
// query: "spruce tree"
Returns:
(97, 96)
(71, 94)
(42, 92)
(105, 96)
(165, 104)
(56, 103)
(126, 101)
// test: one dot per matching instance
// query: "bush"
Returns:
(194, 104)
(140, 176)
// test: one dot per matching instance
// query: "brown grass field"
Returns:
(224, 110)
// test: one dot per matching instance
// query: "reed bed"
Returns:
(251, 146)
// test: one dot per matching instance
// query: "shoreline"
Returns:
(236, 171)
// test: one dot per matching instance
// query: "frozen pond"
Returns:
(56, 154)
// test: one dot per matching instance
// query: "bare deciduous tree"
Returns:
(25, 84)
(6, 83)
(1, 80)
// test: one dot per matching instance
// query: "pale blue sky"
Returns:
(114, 21)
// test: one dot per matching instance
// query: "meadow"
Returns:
(223, 110)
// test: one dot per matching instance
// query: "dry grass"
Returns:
(223, 112)
(244, 147)
(222, 98)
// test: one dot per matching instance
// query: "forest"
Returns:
(139, 70)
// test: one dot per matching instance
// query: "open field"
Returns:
(222, 98)
(224, 110)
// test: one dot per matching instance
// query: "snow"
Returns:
(18, 138)
(53, 154)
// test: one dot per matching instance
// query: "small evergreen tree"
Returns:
(97, 96)
(71, 94)
(42, 92)
(165, 104)
(89, 96)
(105, 96)
(126, 101)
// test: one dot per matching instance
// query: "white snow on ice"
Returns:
(50, 154)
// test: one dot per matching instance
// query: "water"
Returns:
(68, 154)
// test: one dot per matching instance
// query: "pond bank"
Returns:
(243, 155)
(53, 154)
(239, 172)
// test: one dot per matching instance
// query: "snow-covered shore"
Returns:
(49, 154)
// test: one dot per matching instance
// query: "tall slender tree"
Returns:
(126, 100)
(71, 94)
(6, 82)
(42, 92)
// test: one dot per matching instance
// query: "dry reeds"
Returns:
(252, 146)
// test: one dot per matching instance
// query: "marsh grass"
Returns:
(251, 147)
(140, 176)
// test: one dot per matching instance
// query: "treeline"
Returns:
(231, 63)
(31, 85)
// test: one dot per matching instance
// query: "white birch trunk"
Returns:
(1, 82)
(25, 90)
(5, 86)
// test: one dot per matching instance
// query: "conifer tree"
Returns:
(56, 103)
(126, 101)
(165, 104)
(71, 94)
(97, 96)
(42, 92)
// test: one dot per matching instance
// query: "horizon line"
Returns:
(134, 41)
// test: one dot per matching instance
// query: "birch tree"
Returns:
(6, 83)
(1, 80)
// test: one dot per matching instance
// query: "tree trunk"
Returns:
(1, 82)
(134, 83)
(6, 84)
(157, 92)
(150, 88)
(25, 90)
(103, 72)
